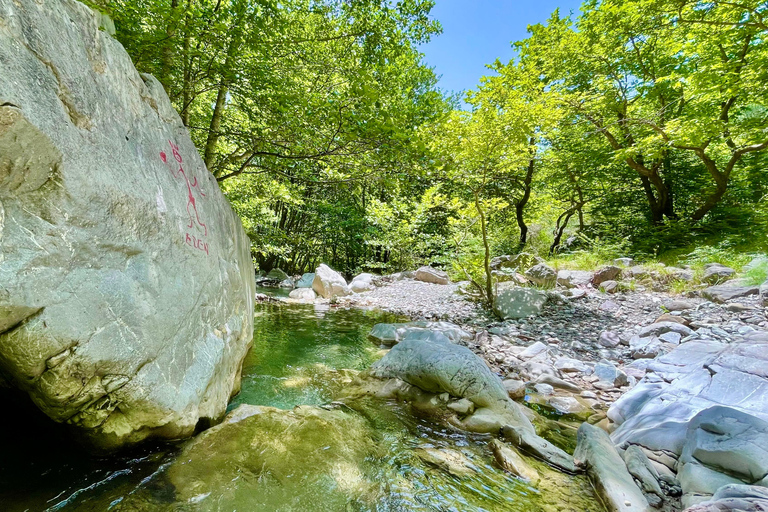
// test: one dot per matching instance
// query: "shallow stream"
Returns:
(304, 355)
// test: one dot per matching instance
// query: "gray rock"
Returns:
(362, 283)
(441, 367)
(609, 287)
(606, 371)
(287, 283)
(306, 280)
(678, 305)
(636, 272)
(764, 293)
(641, 468)
(715, 273)
(542, 275)
(303, 295)
(659, 328)
(390, 334)
(609, 339)
(682, 274)
(516, 302)
(671, 337)
(728, 291)
(735, 498)
(515, 388)
(462, 406)
(569, 365)
(645, 348)
(728, 441)
(329, 284)
(574, 278)
(535, 350)
(431, 275)
(518, 262)
(695, 376)
(607, 273)
(569, 405)
(127, 285)
(544, 389)
(607, 471)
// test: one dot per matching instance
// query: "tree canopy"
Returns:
(642, 122)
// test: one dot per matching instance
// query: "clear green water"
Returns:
(302, 355)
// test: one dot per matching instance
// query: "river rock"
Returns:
(391, 334)
(693, 377)
(609, 287)
(659, 328)
(306, 295)
(715, 273)
(431, 275)
(329, 284)
(452, 462)
(764, 293)
(735, 498)
(438, 366)
(542, 275)
(362, 283)
(623, 262)
(515, 388)
(306, 280)
(518, 262)
(608, 471)
(511, 461)
(607, 273)
(515, 302)
(640, 467)
(729, 291)
(574, 278)
(609, 339)
(722, 445)
(126, 284)
(606, 371)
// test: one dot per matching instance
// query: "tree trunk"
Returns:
(221, 101)
(562, 223)
(523, 201)
(168, 50)
(487, 247)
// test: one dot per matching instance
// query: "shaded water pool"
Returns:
(302, 355)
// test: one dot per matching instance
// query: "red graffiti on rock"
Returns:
(194, 239)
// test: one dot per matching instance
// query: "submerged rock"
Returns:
(391, 334)
(438, 366)
(303, 295)
(511, 461)
(126, 286)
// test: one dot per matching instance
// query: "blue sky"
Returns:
(477, 32)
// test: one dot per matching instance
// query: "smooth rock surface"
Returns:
(728, 291)
(431, 275)
(126, 280)
(715, 273)
(328, 283)
(306, 295)
(608, 471)
(362, 283)
(695, 376)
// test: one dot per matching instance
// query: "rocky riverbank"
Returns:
(668, 375)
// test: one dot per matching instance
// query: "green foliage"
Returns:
(638, 129)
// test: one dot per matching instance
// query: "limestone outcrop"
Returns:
(126, 283)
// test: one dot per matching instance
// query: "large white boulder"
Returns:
(431, 275)
(126, 281)
(328, 283)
